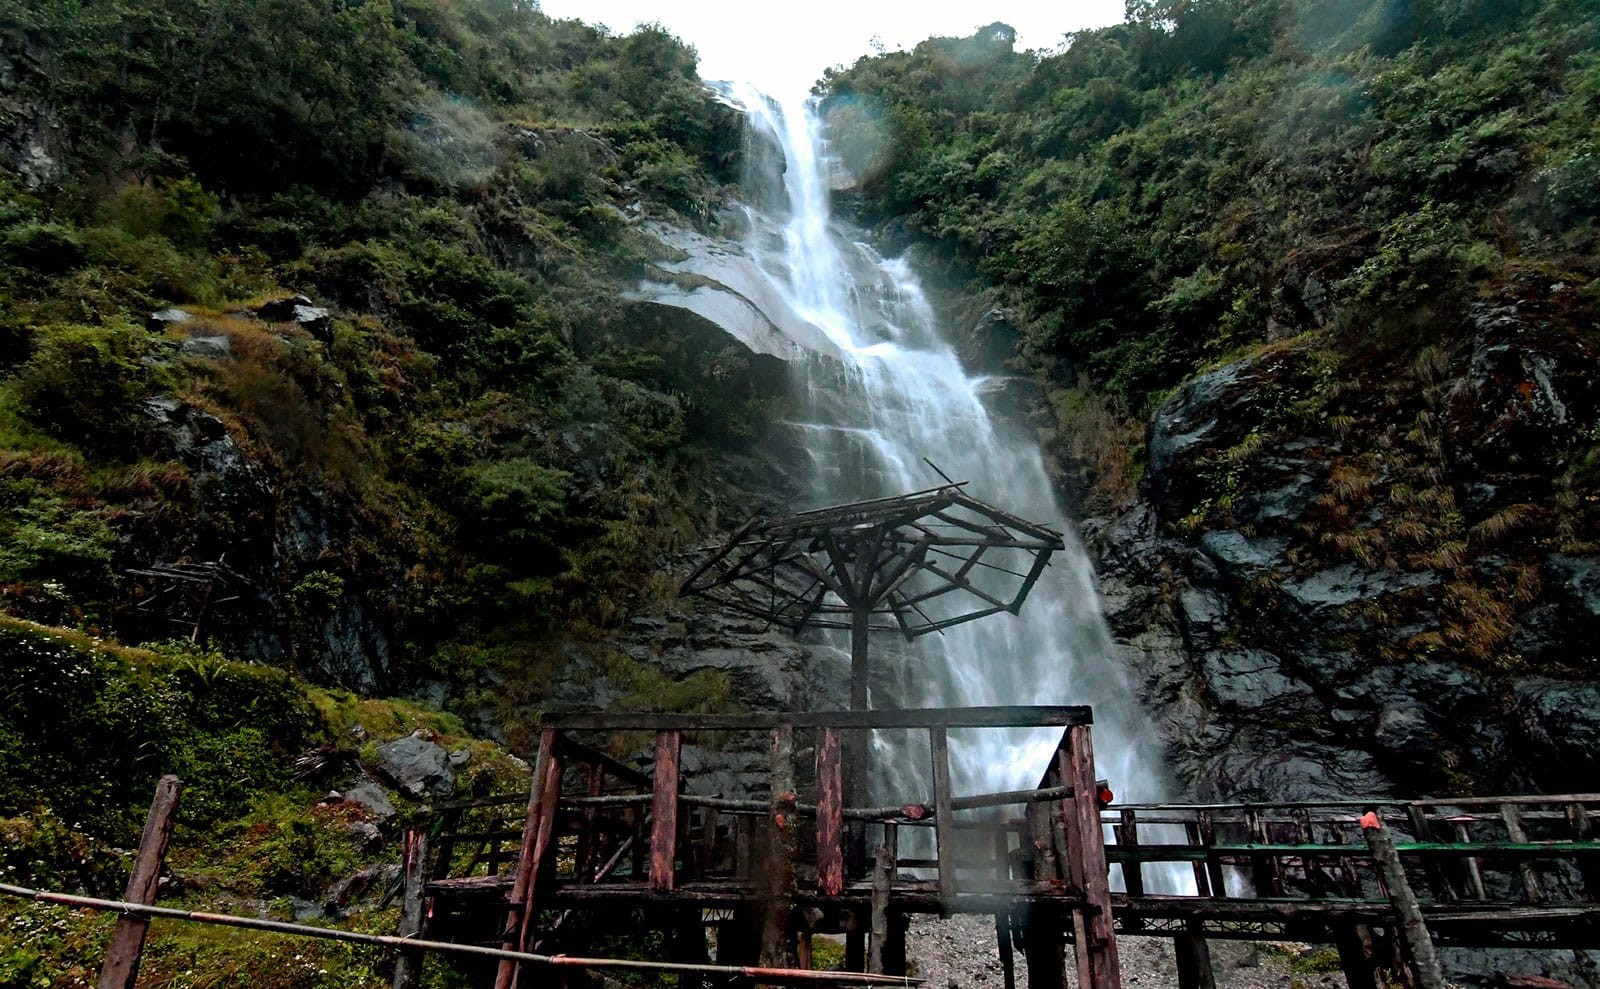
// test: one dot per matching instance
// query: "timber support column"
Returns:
(1096, 945)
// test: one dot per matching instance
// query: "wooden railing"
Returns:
(599, 834)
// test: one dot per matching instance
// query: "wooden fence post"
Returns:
(408, 967)
(121, 966)
(830, 815)
(664, 812)
(538, 828)
(944, 824)
(776, 947)
(1413, 929)
(1097, 949)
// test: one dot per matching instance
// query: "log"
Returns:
(1100, 946)
(830, 815)
(537, 828)
(664, 812)
(408, 966)
(777, 946)
(1531, 886)
(883, 873)
(1414, 930)
(1474, 874)
(1026, 716)
(1194, 959)
(121, 966)
(939, 743)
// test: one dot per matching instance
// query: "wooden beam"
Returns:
(121, 967)
(1027, 716)
(944, 818)
(1100, 944)
(408, 966)
(883, 873)
(1531, 886)
(779, 891)
(537, 827)
(1413, 929)
(1194, 959)
(830, 815)
(664, 812)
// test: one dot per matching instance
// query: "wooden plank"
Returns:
(1024, 716)
(939, 742)
(1208, 838)
(1470, 862)
(1077, 770)
(1191, 832)
(408, 964)
(1531, 887)
(1043, 939)
(1194, 959)
(1132, 872)
(883, 874)
(1582, 828)
(830, 814)
(1265, 872)
(1417, 818)
(664, 812)
(121, 967)
(589, 835)
(1002, 918)
(537, 827)
(778, 876)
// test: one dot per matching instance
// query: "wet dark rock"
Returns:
(990, 342)
(212, 347)
(300, 310)
(1277, 667)
(418, 766)
(1253, 678)
(1559, 724)
(371, 796)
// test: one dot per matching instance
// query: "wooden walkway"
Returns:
(600, 846)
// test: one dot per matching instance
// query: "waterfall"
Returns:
(892, 397)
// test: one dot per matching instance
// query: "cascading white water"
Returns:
(870, 419)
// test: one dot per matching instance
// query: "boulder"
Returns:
(373, 797)
(300, 310)
(163, 319)
(418, 766)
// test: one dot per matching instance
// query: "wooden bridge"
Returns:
(601, 846)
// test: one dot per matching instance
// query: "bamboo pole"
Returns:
(787, 976)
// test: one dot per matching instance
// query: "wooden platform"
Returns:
(600, 844)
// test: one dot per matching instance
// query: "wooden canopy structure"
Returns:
(914, 564)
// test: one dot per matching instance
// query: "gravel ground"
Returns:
(959, 953)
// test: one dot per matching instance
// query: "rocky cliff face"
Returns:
(1360, 573)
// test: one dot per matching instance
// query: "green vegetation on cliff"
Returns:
(1374, 222)
(1157, 194)
(315, 369)
(477, 443)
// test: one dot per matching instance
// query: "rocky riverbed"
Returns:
(959, 953)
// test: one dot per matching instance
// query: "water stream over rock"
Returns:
(881, 394)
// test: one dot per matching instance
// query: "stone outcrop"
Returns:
(1324, 604)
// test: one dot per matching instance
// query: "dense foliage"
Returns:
(1162, 192)
(1376, 218)
(479, 444)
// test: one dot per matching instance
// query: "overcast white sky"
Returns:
(784, 46)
